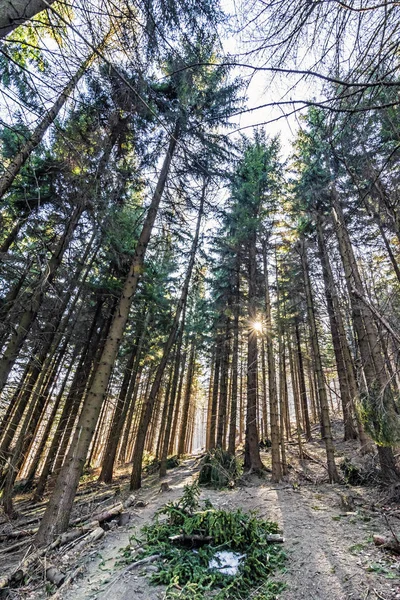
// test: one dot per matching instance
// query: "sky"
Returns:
(263, 89)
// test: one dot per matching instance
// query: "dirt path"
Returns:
(330, 551)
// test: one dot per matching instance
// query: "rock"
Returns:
(123, 519)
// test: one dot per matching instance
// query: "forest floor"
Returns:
(328, 532)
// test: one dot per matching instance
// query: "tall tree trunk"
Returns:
(252, 460)
(56, 517)
(210, 396)
(40, 449)
(173, 436)
(345, 368)
(133, 394)
(295, 390)
(302, 383)
(223, 388)
(187, 398)
(71, 404)
(235, 364)
(273, 393)
(323, 398)
(121, 409)
(148, 409)
(216, 383)
(41, 362)
(264, 402)
(34, 303)
(172, 400)
(370, 349)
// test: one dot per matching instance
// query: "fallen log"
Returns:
(109, 513)
(77, 532)
(192, 540)
(16, 535)
(55, 576)
(90, 538)
(13, 547)
(18, 574)
(68, 580)
(274, 538)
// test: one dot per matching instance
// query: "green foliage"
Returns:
(219, 469)
(380, 415)
(353, 475)
(185, 571)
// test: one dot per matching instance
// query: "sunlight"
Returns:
(257, 326)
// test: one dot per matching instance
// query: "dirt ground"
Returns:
(327, 528)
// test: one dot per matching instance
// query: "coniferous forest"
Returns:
(200, 295)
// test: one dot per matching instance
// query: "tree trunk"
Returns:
(347, 380)
(187, 398)
(302, 383)
(172, 401)
(235, 364)
(210, 396)
(34, 303)
(323, 398)
(252, 460)
(121, 409)
(173, 436)
(293, 377)
(223, 388)
(148, 409)
(264, 402)
(133, 393)
(214, 404)
(378, 383)
(15, 12)
(56, 517)
(73, 399)
(273, 393)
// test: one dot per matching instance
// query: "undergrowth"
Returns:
(152, 464)
(185, 570)
(219, 469)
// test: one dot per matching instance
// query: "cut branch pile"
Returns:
(183, 525)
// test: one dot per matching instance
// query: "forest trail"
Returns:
(330, 551)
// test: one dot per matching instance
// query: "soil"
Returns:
(327, 528)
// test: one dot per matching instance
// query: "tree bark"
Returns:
(14, 13)
(148, 409)
(323, 398)
(273, 392)
(34, 303)
(367, 337)
(187, 398)
(56, 517)
(252, 460)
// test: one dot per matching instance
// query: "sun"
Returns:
(257, 326)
